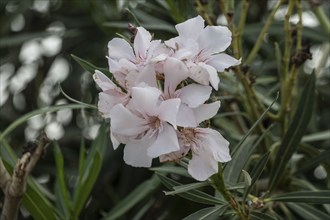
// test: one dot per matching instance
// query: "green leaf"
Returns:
(261, 216)
(315, 161)
(210, 213)
(306, 211)
(187, 187)
(237, 147)
(63, 195)
(256, 172)
(90, 67)
(135, 197)
(85, 185)
(295, 132)
(193, 195)
(316, 197)
(82, 157)
(319, 136)
(233, 169)
(171, 169)
(91, 169)
(27, 116)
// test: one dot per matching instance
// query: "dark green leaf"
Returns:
(187, 187)
(316, 197)
(256, 172)
(63, 195)
(25, 117)
(313, 162)
(307, 211)
(171, 169)
(193, 195)
(90, 67)
(261, 216)
(295, 132)
(210, 213)
(139, 193)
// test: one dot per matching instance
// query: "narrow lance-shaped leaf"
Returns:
(90, 67)
(256, 172)
(62, 192)
(316, 197)
(139, 193)
(193, 195)
(27, 116)
(187, 187)
(295, 132)
(209, 213)
(306, 211)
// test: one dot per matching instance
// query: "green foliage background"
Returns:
(275, 112)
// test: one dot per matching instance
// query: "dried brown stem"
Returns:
(14, 186)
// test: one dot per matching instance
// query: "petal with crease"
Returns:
(222, 61)
(202, 165)
(123, 122)
(206, 111)
(141, 42)
(214, 39)
(166, 142)
(194, 94)
(189, 28)
(135, 153)
(119, 48)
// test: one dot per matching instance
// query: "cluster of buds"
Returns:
(159, 96)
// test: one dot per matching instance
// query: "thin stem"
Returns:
(322, 17)
(241, 24)
(219, 184)
(200, 9)
(261, 36)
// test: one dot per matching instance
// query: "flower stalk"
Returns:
(219, 184)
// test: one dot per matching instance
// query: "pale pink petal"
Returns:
(173, 43)
(175, 71)
(194, 94)
(202, 165)
(213, 75)
(119, 48)
(168, 110)
(199, 74)
(123, 122)
(135, 153)
(214, 39)
(190, 28)
(105, 104)
(141, 42)
(166, 142)
(222, 61)
(186, 117)
(145, 99)
(114, 141)
(148, 76)
(103, 81)
(206, 111)
(216, 144)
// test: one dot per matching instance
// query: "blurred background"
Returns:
(37, 39)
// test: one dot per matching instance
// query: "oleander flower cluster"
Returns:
(159, 96)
